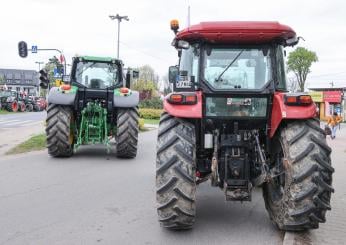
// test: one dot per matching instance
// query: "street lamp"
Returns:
(119, 18)
(39, 64)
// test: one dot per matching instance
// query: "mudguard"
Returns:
(280, 112)
(60, 97)
(185, 111)
(126, 100)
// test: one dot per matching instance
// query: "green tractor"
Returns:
(12, 101)
(93, 106)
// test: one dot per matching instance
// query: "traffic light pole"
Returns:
(53, 49)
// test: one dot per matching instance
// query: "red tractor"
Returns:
(231, 120)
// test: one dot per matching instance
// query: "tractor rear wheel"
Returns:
(127, 132)
(59, 130)
(298, 198)
(21, 106)
(29, 107)
(13, 106)
(176, 173)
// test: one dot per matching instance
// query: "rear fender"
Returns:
(61, 97)
(184, 111)
(125, 101)
(281, 112)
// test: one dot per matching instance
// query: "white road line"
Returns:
(9, 121)
(16, 123)
(31, 123)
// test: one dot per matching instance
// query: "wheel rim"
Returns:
(14, 106)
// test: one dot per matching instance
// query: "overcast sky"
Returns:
(84, 28)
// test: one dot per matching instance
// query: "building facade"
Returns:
(20, 80)
(329, 100)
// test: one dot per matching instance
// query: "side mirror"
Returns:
(128, 80)
(66, 79)
(173, 73)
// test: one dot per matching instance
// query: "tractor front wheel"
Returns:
(176, 173)
(59, 130)
(127, 132)
(299, 196)
(29, 107)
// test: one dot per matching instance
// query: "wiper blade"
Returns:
(230, 64)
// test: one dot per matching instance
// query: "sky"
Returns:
(80, 27)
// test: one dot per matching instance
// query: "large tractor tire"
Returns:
(36, 107)
(29, 107)
(127, 132)
(21, 106)
(59, 130)
(176, 173)
(13, 106)
(298, 198)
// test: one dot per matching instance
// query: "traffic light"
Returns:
(44, 79)
(23, 49)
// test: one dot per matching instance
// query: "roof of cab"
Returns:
(238, 32)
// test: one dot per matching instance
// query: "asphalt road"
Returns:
(94, 198)
(15, 120)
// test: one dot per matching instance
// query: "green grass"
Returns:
(3, 112)
(35, 143)
(151, 121)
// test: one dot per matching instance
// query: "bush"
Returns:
(148, 113)
(141, 124)
(153, 103)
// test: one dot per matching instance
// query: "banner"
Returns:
(332, 96)
(316, 96)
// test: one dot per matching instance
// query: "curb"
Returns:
(297, 238)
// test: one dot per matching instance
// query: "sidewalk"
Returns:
(333, 231)
(14, 136)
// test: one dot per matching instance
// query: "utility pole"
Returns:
(119, 18)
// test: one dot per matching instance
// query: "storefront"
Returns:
(328, 101)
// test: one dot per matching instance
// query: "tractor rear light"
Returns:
(124, 90)
(298, 100)
(183, 98)
(65, 87)
(305, 99)
(176, 98)
(291, 100)
(191, 99)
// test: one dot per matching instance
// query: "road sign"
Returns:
(34, 49)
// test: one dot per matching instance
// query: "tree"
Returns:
(147, 73)
(299, 62)
(2, 80)
(292, 84)
(50, 66)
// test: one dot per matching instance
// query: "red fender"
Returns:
(281, 112)
(185, 111)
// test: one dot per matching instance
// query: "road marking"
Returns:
(16, 123)
(9, 121)
(31, 123)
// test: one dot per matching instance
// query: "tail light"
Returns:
(183, 98)
(65, 87)
(298, 100)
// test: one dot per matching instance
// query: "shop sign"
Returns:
(332, 96)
